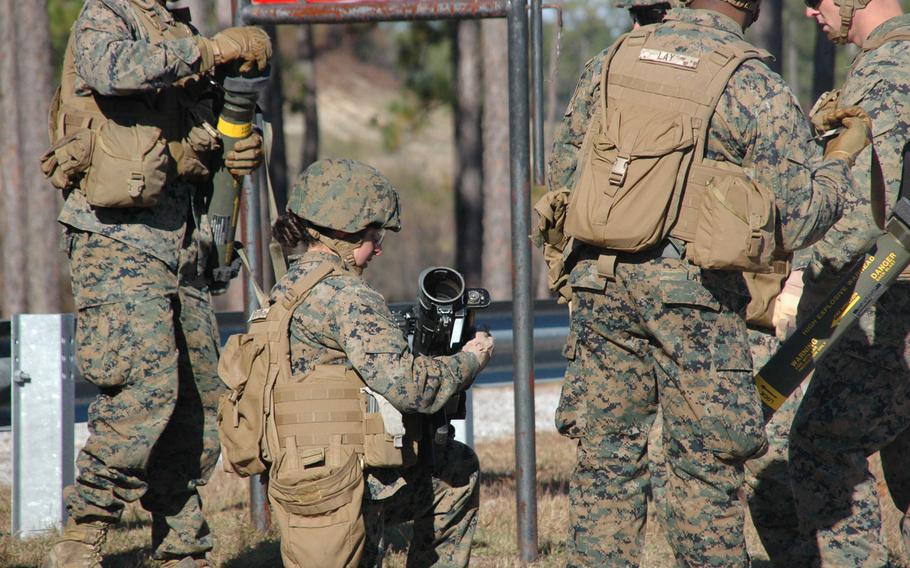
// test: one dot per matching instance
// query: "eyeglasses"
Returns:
(374, 234)
(812, 4)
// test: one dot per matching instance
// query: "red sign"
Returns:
(309, 1)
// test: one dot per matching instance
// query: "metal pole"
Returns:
(374, 11)
(522, 308)
(42, 420)
(259, 513)
(537, 68)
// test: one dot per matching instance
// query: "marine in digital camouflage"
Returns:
(325, 197)
(667, 333)
(148, 340)
(146, 332)
(343, 321)
(857, 403)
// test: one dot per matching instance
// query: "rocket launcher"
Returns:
(840, 310)
(234, 123)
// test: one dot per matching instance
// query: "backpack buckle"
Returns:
(136, 184)
(618, 173)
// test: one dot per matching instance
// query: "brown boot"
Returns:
(78, 547)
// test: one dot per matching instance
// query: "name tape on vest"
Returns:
(675, 59)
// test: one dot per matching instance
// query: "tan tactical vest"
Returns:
(120, 150)
(643, 175)
(315, 422)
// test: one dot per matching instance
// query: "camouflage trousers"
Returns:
(658, 336)
(441, 502)
(151, 346)
(767, 478)
(858, 403)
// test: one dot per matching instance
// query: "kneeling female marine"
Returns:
(348, 423)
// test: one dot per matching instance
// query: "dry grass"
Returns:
(238, 545)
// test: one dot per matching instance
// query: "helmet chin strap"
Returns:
(846, 18)
(344, 249)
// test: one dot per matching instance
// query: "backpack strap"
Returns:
(600, 109)
(632, 38)
(295, 296)
(727, 60)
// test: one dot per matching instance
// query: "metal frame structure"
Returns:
(516, 12)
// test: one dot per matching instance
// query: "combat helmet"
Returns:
(749, 5)
(629, 4)
(340, 198)
(644, 12)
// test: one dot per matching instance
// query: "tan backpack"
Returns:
(250, 365)
(642, 172)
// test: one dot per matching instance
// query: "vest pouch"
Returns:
(631, 172)
(550, 236)
(736, 224)
(320, 494)
(244, 368)
(387, 442)
(764, 288)
(129, 166)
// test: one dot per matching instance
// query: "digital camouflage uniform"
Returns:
(668, 333)
(767, 477)
(859, 399)
(344, 321)
(145, 330)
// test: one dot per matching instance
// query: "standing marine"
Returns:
(349, 447)
(682, 161)
(134, 149)
(859, 399)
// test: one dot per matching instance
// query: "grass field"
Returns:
(239, 546)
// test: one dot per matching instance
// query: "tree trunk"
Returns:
(13, 273)
(468, 151)
(33, 49)
(768, 31)
(496, 195)
(823, 65)
(307, 50)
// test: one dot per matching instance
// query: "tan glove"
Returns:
(248, 43)
(481, 347)
(785, 306)
(855, 136)
(245, 156)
